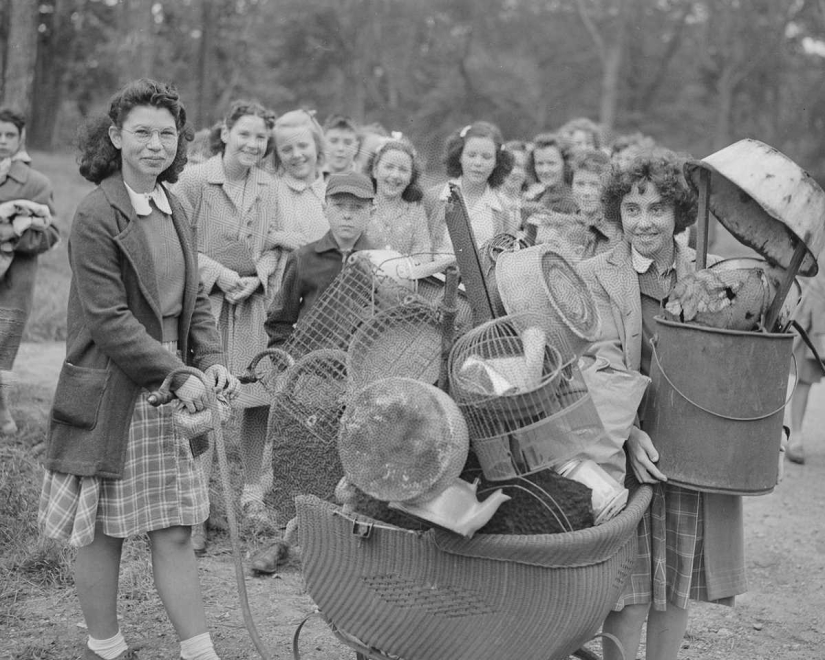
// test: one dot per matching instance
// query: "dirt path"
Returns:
(782, 617)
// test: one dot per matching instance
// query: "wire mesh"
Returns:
(542, 280)
(401, 341)
(402, 439)
(526, 409)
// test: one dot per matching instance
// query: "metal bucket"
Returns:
(715, 405)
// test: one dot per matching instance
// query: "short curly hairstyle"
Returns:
(13, 116)
(242, 108)
(99, 158)
(297, 119)
(545, 141)
(582, 124)
(662, 168)
(413, 191)
(478, 129)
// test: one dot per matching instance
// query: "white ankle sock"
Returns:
(198, 647)
(108, 649)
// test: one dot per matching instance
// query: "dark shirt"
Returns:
(308, 272)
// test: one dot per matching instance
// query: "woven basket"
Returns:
(424, 596)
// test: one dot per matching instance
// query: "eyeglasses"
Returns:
(168, 136)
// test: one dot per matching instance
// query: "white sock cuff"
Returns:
(196, 647)
(108, 648)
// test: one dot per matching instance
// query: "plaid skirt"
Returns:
(671, 563)
(162, 486)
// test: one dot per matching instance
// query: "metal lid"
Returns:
(766, 201)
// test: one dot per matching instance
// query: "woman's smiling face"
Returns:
(648, 221)
(297, 152)
(148, 143)
(245, 141)
(393, 173)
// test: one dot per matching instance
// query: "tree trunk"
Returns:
(49, 84)
(20, 55)
(611, 78)
(137, 29)
(203, 115)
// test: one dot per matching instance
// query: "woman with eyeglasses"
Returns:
(234, 209)
(115, 465)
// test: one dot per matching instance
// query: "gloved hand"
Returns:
(193, 394)
(223, 381)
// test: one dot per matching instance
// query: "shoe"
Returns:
(795, 454)
(128, 654)
(267, 560)
(199, 539)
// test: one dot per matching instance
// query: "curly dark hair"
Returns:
(545, 141)
(479, 129)
(662, 168)
(413, 191)
(99, 158)
(240, 109)
(13, 116)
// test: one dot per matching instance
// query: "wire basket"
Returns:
(504, 373)
(401, 341)
(401, 439)
(359, 292)
(520, 430)
(542, 280)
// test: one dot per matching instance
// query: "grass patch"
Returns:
(48, 318)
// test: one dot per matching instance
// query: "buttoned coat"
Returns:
(114, 331)
(244, 240)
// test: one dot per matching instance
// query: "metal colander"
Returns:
(541, 280)
(401, 341)
(401, 439)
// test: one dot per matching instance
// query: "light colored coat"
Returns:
(244, 240)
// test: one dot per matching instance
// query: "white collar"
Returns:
(489, 197)
(140, 201)
(641, 263)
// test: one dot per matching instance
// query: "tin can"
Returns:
(608, 495)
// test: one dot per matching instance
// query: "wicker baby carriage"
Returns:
(394, 593)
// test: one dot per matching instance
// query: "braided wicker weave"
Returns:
(424, 596)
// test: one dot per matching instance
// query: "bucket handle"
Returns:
(720, 415)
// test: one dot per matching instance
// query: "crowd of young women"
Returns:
(166, 275)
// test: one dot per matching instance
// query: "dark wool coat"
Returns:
(113, 347)
(17, 285)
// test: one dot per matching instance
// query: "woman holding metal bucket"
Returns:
(690, 543)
